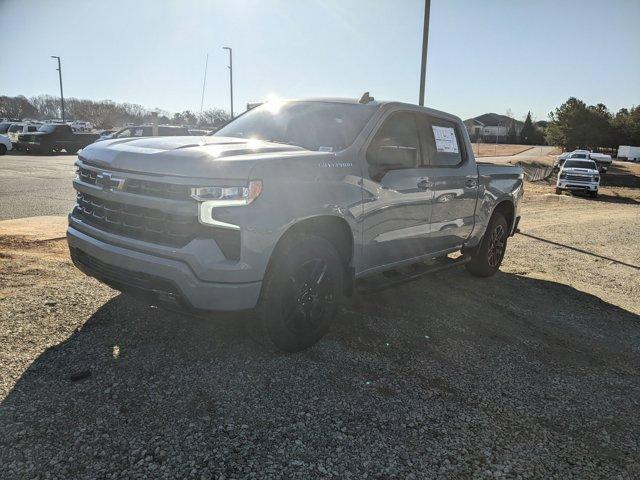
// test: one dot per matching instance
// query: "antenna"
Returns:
(204, 82)
(366, 98)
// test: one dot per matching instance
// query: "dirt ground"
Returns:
(530, 374)
(499, 149)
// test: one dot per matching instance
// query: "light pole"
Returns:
(61, 94)
(230, 76)
(425, 42)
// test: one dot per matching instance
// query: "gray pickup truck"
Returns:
(290, 207)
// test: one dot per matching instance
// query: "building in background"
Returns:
(494, 128)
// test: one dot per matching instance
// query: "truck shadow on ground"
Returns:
(534, 361)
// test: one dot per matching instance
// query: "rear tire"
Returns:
(301, 292)
(488, 257)
(72, 150)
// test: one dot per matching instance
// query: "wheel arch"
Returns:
(332, 228)
(507, 208)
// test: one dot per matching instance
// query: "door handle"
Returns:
(424, 184)
(471, 182)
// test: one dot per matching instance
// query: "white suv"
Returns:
(579, 175)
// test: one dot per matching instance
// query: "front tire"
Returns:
(558, 191)
(487, 259)
(301, 292)
(3, 149)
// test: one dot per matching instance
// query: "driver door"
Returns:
(396, 194)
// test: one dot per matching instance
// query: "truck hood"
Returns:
(201, 157)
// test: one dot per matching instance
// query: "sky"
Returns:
(484, 56)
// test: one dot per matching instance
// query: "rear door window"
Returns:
(441, 142)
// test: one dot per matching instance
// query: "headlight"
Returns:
(218, 197)
(563, 175)
(237, 195)
(595, 178)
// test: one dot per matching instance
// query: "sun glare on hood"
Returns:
(254, 143)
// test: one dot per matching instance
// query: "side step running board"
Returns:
(378, 283)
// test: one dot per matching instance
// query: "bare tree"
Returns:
(213, 117)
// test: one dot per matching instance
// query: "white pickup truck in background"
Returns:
(577, 174)
(602, 160)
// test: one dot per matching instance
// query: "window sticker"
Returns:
(445, 139)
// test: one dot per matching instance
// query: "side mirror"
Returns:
(393, 156)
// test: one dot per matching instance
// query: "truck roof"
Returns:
(381, 103)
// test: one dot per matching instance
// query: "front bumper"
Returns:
(571, 185)
(166, 280)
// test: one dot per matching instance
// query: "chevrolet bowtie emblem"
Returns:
(109, 182)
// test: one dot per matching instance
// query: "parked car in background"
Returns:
(147, 131)
(78, 126)
(627, 152)
(290, 207)
(55, 137)
(194, 131)
(603, 161)
(17, 128)
(5, 144)
(579, 174)
(4, 127)
(105, 133)
(560, 160)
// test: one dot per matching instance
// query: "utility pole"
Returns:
(425, 42)
(230, 76)
(204, 82)
(61, 94)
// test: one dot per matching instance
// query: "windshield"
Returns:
(324, 126)
(580, 164)
(578, 155)
(15, 128)
(4, 127)
(47, 128)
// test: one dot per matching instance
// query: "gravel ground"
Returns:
(533, 373)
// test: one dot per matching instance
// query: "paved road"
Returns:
(532, 153)
(36, 185)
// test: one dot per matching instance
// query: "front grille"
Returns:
(578, 178)
(142, 187)
(87, 176)
(140, 223)
(157, 189)
(148, 224)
